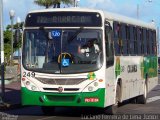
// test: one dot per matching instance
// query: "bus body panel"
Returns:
(92, 99)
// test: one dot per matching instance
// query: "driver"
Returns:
(90, 47)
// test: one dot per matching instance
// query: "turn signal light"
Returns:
(23, 79)
(100, 80)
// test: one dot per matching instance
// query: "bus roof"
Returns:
(128, 20)
(108, 15)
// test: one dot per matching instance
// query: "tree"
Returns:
(7, 42)
(15, 26)
(54, 3)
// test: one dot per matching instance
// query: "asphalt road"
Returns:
(127, 111)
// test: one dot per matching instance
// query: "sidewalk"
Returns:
(12, 98)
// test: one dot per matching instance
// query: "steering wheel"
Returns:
(63, 55)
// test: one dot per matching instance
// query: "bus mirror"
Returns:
(17, 36)
(50, 35)
(108, 27)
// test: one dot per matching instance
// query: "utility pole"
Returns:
(74, 3)
(158, 42)
(137, 11)
(2, 53)
(12, 14)
(18, 22)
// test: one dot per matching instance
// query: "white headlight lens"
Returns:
(27, 83)
(96, 84)
(90, 88)
(33, 88)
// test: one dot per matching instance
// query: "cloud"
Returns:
(102, 4)
(147, 11)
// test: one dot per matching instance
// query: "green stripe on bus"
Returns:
(117, 67)
(150, 66)
(62, 99)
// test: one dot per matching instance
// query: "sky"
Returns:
(148, 9)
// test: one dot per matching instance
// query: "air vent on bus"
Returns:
(68, 81)
(65, 89)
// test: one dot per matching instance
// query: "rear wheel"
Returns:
(48, 110)
(111, 110)
(142, 99)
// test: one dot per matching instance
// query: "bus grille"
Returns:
(61, 98)
(69, 81)
(65, 89)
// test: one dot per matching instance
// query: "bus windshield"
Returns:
(62, 50)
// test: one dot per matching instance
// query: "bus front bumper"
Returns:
(86, 99)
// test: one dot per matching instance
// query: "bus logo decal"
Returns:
(91, 76)
(132, 68)
(60, 89)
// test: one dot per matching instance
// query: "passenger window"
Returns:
(109, 46)
(117, 38)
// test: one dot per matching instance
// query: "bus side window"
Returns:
(151, 42)
(132, 28)
(145, 41)
(135, 39)
(154, 43)
(127, 40)
(109, 47)
(117, 45)
(123, 39)
(139, 41)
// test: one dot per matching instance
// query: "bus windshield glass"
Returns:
(62, 51)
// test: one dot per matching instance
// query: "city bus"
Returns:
(78, 57)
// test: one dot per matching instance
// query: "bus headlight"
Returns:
(27, 83)
(96, 84)
(33, 88)
(93, 86)
(90, 88)
(30, 86)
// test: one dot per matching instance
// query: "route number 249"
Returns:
(29, 74)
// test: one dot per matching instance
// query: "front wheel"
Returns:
(111, 110)
(48, 110)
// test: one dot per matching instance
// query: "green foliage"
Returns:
(7, 42)
(15, 26)
(50, 3)
(7, 52)
(7, 37)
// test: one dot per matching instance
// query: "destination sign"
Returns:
(63, 19)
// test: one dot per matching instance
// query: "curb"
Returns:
(7, 106)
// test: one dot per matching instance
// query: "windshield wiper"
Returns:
(47, 38)
(75, 35)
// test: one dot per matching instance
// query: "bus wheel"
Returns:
(142, 99)
(48, 110)
(111, 110)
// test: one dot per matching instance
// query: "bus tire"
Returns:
(133, 100)
(48, 110)
(142, 99)
(111, 110)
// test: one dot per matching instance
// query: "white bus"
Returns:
(86, 58)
